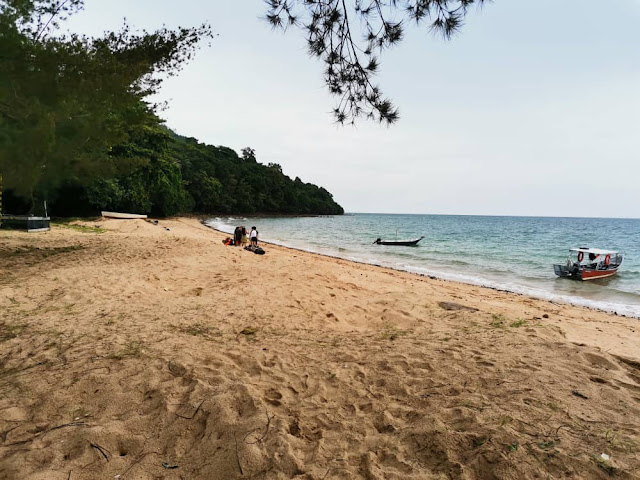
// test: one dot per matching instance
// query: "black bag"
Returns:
(259, 251)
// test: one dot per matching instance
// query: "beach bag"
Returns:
(259, 251)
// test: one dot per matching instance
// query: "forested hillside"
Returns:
(160, 173)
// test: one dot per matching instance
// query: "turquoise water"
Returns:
(510, 253)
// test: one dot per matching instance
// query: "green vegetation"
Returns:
(478, 442)
(519, 323)
(199, 330)
(604, 465)
(76, 128)
(180, 175)
(499, 320)
(546, 445)
(7, 332)
(391, 332)
(131, 349)
(81, 228)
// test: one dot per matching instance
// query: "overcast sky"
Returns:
(534, 109)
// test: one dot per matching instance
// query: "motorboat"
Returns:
(586, 263)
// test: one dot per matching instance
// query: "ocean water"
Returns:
(509, 253)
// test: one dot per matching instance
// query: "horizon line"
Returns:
(491, 215)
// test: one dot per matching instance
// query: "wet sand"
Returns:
(152, 353)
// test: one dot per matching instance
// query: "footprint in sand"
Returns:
(598, 380)
(485, 363)
(273, 397)
(600, 361)
(195, 292)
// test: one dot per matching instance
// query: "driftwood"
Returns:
(194, 413)
(100, 449)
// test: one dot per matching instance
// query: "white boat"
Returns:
(589, 264)
(123, 216)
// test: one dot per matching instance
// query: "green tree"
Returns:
(66, 101)
(248, 154)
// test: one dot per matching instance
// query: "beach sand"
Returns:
(147, 353)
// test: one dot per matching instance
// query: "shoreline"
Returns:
(436, 277)
(157, 344)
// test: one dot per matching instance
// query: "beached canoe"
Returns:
(123, 216)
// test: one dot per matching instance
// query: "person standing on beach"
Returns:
(253, 236)
(237, 236)
(244, 237)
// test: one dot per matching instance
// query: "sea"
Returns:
(514, 254)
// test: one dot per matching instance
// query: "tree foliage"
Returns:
(349, 36)
(65, 100)
(219, 181)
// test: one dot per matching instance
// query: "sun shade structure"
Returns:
(595, 251)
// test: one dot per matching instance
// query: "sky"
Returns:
(533, 109)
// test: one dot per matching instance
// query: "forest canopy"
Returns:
(164, 174)
(76, 128)
(66, 100)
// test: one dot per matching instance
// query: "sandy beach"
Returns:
(156, 352)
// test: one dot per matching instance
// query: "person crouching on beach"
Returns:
(253, 236)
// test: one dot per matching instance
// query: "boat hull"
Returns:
(584, 274)
(123, 216)
(595, 274)
(399, 243)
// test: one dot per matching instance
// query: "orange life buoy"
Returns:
(607, 260)
(580, 256)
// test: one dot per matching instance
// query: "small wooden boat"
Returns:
(589, 264)
(123, 216)
(403, 243)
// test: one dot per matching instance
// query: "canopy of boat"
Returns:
(595, 251)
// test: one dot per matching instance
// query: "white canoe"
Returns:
(124, 216)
